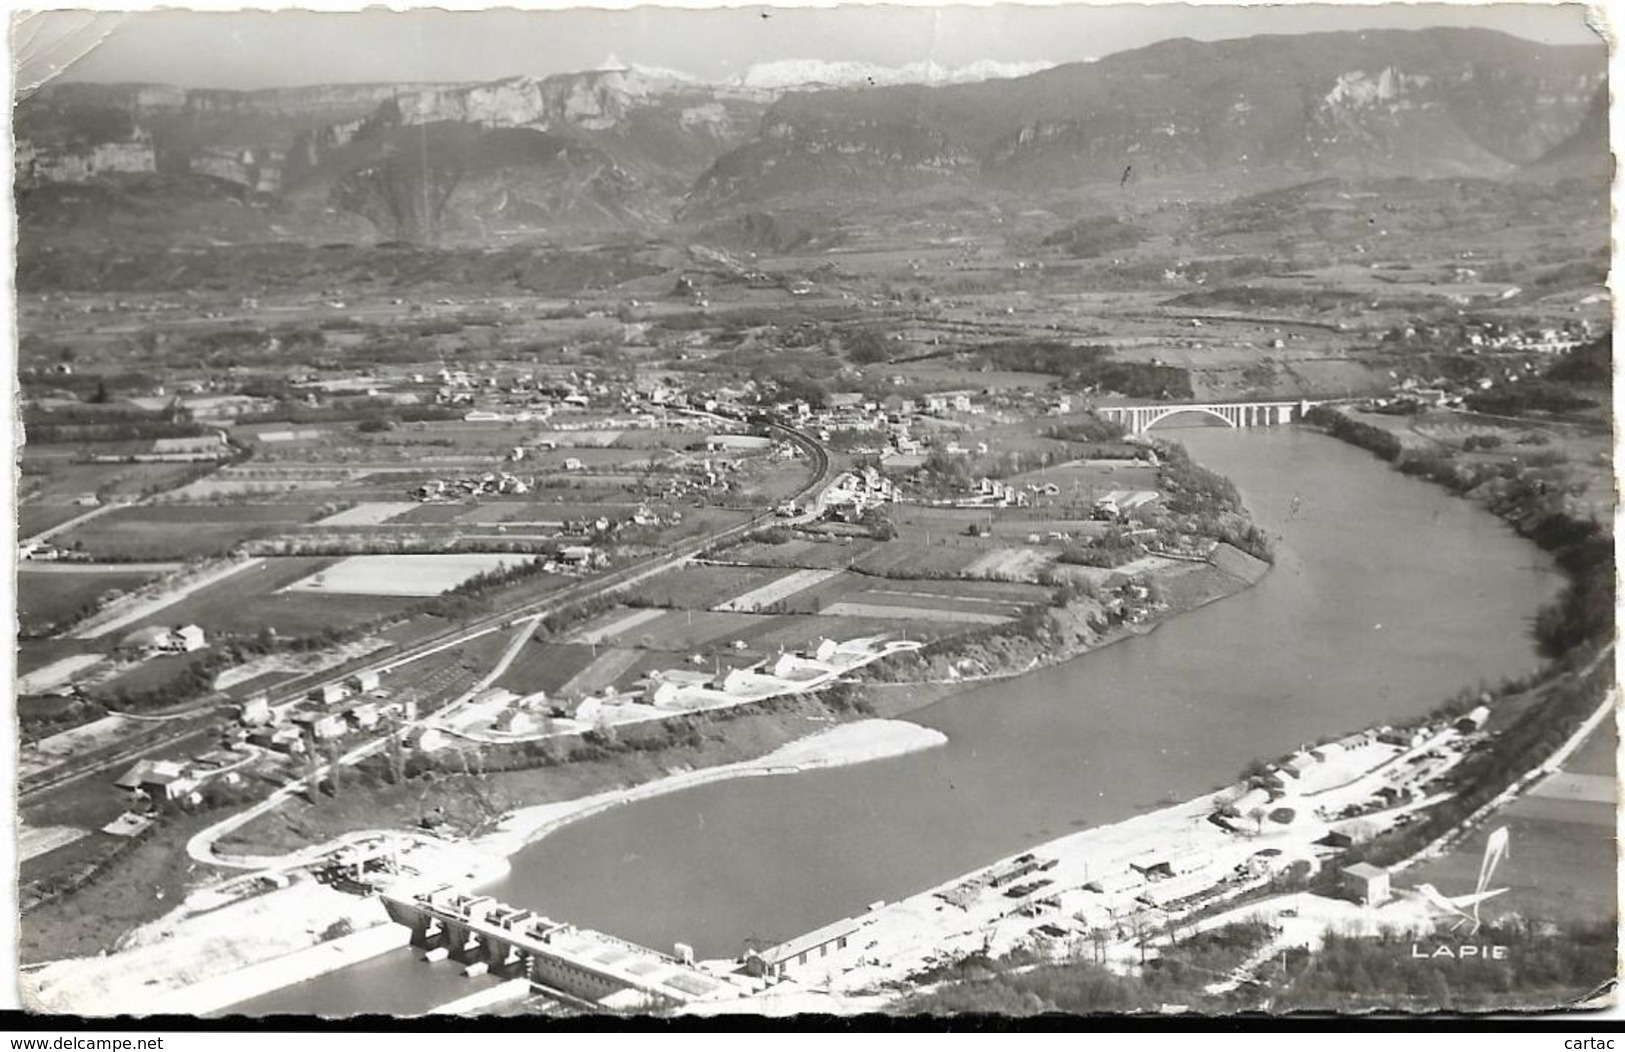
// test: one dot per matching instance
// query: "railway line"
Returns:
(615, 580)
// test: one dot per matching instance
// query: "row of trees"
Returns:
(1535, 496)
(1545, 964)
(1087, 367)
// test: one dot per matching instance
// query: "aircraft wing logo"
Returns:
(1465, 907)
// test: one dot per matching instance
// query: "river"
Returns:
(1388, 595)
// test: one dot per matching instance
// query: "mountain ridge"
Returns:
(623, 146)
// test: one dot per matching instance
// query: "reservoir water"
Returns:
(1388, 595)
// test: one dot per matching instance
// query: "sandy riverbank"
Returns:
(210, 959)
(847, 743)
(204, 958)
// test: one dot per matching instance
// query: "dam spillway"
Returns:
(607, 973)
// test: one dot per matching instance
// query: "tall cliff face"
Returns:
(581, 150)
(660, 129)
(627, 147)
(1422, 103)
(454, 180)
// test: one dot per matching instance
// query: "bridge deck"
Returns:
(540, 938)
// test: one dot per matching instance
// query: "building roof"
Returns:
(133, 778)
(682, 677)
(811, 940)
(1365, 871)
(151, 636)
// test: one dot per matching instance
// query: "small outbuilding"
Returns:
(362, 682)
(1366, 884)
(188, 638)
(1474, 720)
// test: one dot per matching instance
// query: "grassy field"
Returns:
(535, 511)
(244, 603)
(1562, 861)
(37, 518)
(689, 630)
(434, 513)
(701, 587)
(183, 531)
(800, 553)
(902, 558)
(49, 472)
(45, 599)
(543, 665)
(653, 438)
(152, 674)
(35, 654)
(367, 513)
(400, 575)
(781, 590)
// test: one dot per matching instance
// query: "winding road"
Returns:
(603, 584)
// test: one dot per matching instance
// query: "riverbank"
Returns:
(470, 801)
(206, 957)
(1067, 633)
(206, 961)
(859, 742)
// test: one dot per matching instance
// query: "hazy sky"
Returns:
(268, 49)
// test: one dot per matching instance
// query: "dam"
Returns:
(596, 970)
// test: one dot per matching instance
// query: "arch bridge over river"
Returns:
(1388, 595)
(1142, 418)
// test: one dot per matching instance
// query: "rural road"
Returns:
(613, 581)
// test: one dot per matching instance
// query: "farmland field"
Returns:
(597, 438)
(55, 674)
(531, 511)
(800, 553)
(804, 631)
(776, 591)
(949, 597)
(209, 488)
(909, 558)
(36, 654)
(171, 515)
(49, 472)
(700, 587)
(367, 513)
(1079, 478)
(1011, 564)
(45, 599)
(678, 630)
(1562, 862)
(153, 674)
(846, 608)
(401, 575)
(614, 625)
(179, 531)
(687, 630)
(605, 670)
(257, 598)
(654, 438)
(596, 458)
(544, 666)
(37, 518)
(433, 513)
